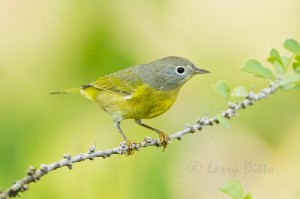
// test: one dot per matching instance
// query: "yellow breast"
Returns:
(145, 102)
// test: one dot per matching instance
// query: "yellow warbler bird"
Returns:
(140, 92)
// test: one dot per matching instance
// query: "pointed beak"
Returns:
(200, 71)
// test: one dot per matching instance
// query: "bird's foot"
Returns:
(131, 147)
(164, 140)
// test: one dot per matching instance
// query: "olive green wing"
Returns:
(114, 84)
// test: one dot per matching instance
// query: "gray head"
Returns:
(169, 72)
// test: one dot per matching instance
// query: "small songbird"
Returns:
(140, 92)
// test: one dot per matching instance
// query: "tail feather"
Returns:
(68, 91)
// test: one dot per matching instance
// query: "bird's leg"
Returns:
(130, 144)
(163, 137)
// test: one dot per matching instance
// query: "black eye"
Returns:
(180, 70)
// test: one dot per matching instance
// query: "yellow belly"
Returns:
(146, 102)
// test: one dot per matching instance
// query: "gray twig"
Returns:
(34, 174)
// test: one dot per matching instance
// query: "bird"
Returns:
(140, 92)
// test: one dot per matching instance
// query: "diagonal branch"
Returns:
(34, 175)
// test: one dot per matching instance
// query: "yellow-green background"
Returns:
(49, 45)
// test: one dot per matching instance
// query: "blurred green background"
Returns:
(49, 45)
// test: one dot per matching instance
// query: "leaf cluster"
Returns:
(234, 190)
(285, 71)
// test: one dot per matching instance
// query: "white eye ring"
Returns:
(180, 70)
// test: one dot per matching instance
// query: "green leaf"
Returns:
(223, 88)
(286, 60)
(279, 68)
(254, 67)
(297, 58)
(240, 91)
(296, 67)
(248, 196)
(274, 56)
(277, 61)
(233, 189)
(292, 45)
(288, 79)
(224, 121)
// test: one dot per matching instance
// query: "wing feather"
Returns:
(114, 84)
